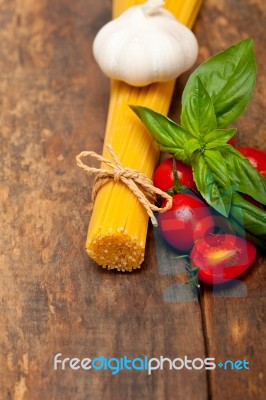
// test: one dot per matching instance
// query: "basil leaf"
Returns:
(218, 136)
(240, 230)
(163, 128)
(229, 78)
(169, 135)
(211, 178)
(190, 147)
(251, 220)
(244, 177)
(198, 114)
(218, 167)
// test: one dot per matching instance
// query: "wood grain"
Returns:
(52, 297)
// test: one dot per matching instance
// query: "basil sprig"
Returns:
(216, 93)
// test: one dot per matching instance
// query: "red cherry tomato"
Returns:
(256, 157)
(188, 220)
(164, 175)
(222, 257)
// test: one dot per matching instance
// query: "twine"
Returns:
(138, 183)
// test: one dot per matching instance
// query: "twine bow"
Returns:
(137, 182)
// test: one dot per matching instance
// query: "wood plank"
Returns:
(53, 298)
(234, 316)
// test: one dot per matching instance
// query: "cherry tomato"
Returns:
(188, 220)
(222, 257)
(256, 157)
(164, 175)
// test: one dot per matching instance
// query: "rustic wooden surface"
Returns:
(52, 297)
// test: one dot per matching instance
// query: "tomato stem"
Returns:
(178, 188)
(177, 185)
(193, 275)
(181, 256)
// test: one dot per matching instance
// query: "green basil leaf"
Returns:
(169, 135)
(218, 167)
(162, 128)
(218, 136)
(229, 78)
(210, 175)
(239, 230)
(244, 177)
(198, 114)
(250, 219)
(190, 147)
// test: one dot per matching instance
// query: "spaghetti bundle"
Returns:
(118, 226)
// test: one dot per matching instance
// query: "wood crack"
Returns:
(206, 342)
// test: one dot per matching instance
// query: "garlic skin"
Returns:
(145, 44)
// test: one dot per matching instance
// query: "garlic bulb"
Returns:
(145, 44)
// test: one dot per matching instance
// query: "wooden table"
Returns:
(53, 299)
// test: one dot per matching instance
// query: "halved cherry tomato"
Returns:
(222, 257)
(256, 157)
(164, 175)
(188, 220)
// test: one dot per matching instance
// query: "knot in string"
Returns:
(138, 183)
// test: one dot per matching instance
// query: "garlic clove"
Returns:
(145, 44)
